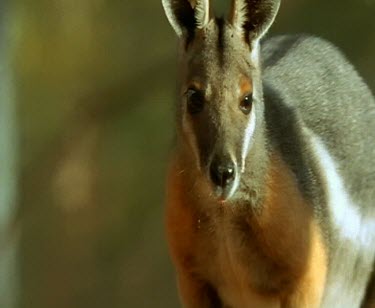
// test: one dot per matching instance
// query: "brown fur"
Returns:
(277, 257)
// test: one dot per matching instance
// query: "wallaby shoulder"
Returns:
(310, 84)
(320, 115)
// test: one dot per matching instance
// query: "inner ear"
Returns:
(181, 16)
(253, 17)
(186, 16)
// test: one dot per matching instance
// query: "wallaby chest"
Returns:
(228, 263)
(251, 259)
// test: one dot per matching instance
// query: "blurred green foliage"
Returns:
(95, 83)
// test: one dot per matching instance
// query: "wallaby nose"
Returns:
(222, 174)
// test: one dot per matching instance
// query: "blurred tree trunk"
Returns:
(8, 173)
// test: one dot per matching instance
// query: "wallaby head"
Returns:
(221, 100)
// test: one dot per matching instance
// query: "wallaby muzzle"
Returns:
(224, 177)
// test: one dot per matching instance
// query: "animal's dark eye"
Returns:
(195, 101)
(246, 103)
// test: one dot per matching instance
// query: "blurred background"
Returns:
(86, 125)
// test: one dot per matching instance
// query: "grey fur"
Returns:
(309, 84)
(304, 88)
(316, 83)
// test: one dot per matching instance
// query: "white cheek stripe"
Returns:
(234, 186)
(345, 214)
(249, 132)
(255, 53)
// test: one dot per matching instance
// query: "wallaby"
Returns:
(271, 187)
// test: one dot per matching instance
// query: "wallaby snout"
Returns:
(223, 175)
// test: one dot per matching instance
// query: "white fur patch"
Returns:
(345, 214)
(255, 51)
(234, 186)
(356, 236)
(247, 141)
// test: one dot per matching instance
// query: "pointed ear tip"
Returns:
(241, 15)
(183, 18)
(167, 6)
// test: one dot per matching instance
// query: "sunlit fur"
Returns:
(296, 226)
(209, 62)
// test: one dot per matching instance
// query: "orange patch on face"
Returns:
(246, 85)
(195, 84)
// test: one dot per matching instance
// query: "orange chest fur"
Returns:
(265, 259)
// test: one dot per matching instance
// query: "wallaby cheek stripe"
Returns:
(254, 56)
(249, 132)
(234, 186)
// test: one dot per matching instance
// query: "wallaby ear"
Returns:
(186, 16)
(253, 17)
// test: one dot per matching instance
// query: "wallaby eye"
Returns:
(195, 101)
(246, 103)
